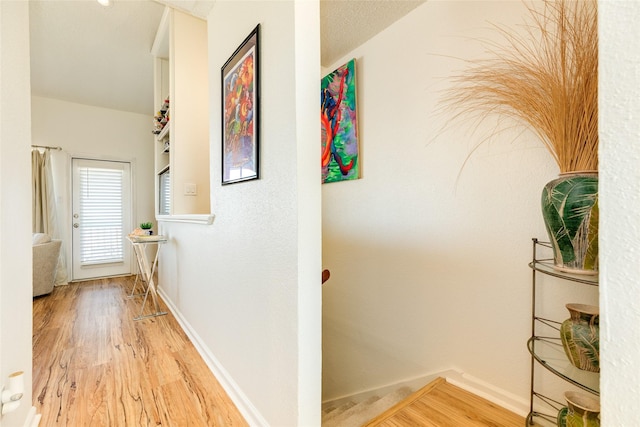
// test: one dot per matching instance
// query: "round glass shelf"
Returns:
(550, 354)
(545, 266)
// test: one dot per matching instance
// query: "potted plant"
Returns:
(547, 78)
(146, 226)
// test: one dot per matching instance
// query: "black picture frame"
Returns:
(240, 80)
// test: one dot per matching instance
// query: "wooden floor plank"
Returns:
(440, 404)
(93, 365)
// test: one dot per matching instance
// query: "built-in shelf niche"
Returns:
(181, 75)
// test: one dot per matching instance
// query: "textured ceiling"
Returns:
(346, 24)
(86, 53)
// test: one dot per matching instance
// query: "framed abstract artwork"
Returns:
(338, 116)
(240, 112)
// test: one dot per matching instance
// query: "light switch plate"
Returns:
(190, 190)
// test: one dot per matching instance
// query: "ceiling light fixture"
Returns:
(105, 2)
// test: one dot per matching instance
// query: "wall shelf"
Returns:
(164, 133)
(545, 266)
(547, 351)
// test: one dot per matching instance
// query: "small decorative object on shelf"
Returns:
(161, 118)
(581, 410)
(146, 228)
(157, 127)
(570, 213)
(580, 336)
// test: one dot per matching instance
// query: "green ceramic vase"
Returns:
(570, 212)
(580, 335)
(582, 410)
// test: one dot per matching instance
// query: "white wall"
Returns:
(101, 133)
(189, 113)
(620, 211)
(429, 259)
(15, 203)
(248, 287)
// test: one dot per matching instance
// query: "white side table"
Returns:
(147, 270)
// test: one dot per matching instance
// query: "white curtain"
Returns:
(44, 206)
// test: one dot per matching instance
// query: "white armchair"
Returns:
(45, 263)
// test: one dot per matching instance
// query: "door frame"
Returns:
(68, 223)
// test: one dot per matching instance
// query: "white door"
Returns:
(101, 218)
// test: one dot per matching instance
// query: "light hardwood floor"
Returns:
(93, 365)
(440, 404)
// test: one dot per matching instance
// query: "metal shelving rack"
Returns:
(547, 351)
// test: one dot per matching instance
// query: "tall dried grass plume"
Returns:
(545, 76)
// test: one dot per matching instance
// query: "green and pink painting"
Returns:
(339, 125)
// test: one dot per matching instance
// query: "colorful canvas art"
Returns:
(339, 125)
(240, 136)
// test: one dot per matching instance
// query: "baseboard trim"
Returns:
(242, 402)
(493, 394)
(33, 419)
(414, 383)
(454, 376)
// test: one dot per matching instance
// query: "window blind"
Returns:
(101, 216)
(164, 190)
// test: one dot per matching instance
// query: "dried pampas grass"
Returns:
(546, 77)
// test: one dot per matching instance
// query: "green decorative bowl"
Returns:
(562, 417)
